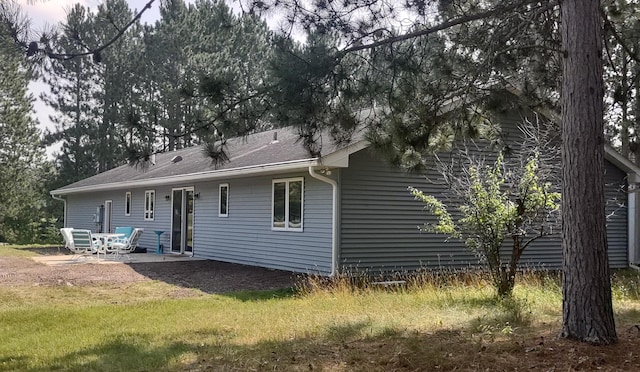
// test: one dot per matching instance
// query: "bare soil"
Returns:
(207, 276)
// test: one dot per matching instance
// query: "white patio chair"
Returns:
(66, 235)
(80, 243)
(126, 246)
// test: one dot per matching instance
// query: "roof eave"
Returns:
(620, 161)
(254, 170)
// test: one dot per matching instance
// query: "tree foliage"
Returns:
(22, 165)
(507, 200)
(393, 68)
(622, 76)
(195, 76)
(503, 45)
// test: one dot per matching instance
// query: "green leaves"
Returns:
(496, 202)
(445, 223)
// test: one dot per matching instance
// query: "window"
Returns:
(287, 204)
(127, 204)
(149, 204)
(223, 200)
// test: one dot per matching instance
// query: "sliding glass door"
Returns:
(182, 221)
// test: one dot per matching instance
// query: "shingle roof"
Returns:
(248, 152)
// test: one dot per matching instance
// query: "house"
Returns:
(272, 205)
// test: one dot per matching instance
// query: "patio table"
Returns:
(104, 239)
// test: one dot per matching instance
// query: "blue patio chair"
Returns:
(124, 230)
(126, 246)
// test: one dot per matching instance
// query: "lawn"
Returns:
(438, 323)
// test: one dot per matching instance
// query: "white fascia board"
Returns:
(255, 170)
(620, 161)
(340, 158)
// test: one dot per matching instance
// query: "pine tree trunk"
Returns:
(586, 307)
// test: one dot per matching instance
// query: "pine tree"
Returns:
(116, 78)
(204, 78)
(74, 89)
(622, 73)
(586, 290)
(497, 43)
(22, 163)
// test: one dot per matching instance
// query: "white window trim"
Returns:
(220, 214)
(128, 202)
(286, 204)
(148, 211)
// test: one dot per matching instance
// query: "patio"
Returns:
(68, 259)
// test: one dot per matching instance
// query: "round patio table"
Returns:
(158, 233)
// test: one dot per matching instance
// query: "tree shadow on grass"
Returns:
(348, 346)
(266, 295)
(128, 352)
(462, 349)
(630, 317)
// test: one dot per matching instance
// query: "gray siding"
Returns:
(82, 207)
(380, 219)
(617, 216)
(246, 237)
(547, 252)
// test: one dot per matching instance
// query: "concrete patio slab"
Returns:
(67, 259)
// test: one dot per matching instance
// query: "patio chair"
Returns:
(126, 231)
(66, 235)
(80, 243)
(126, 246)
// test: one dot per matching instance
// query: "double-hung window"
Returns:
(149, 204)
(287, 204)
(223, 200)
(127, 203)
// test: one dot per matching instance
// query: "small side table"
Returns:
(158, 233)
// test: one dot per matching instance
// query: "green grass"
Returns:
(335, 327)
(9, 250)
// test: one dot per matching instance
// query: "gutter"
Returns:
(334, 220)
(64, 208)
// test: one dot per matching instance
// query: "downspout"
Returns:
(632, 219)
(334, 223)
(64, 209)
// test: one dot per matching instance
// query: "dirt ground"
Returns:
(207, 276)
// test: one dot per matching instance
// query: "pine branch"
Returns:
(609, 26)
(33, 48)
(446, 25)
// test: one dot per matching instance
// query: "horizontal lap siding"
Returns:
(245, 236)
(617, 216)
(82, 207)
(380, 220)
(547, 252)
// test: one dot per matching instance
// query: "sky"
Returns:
(47, 13)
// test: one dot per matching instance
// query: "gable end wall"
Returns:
(380, 219)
